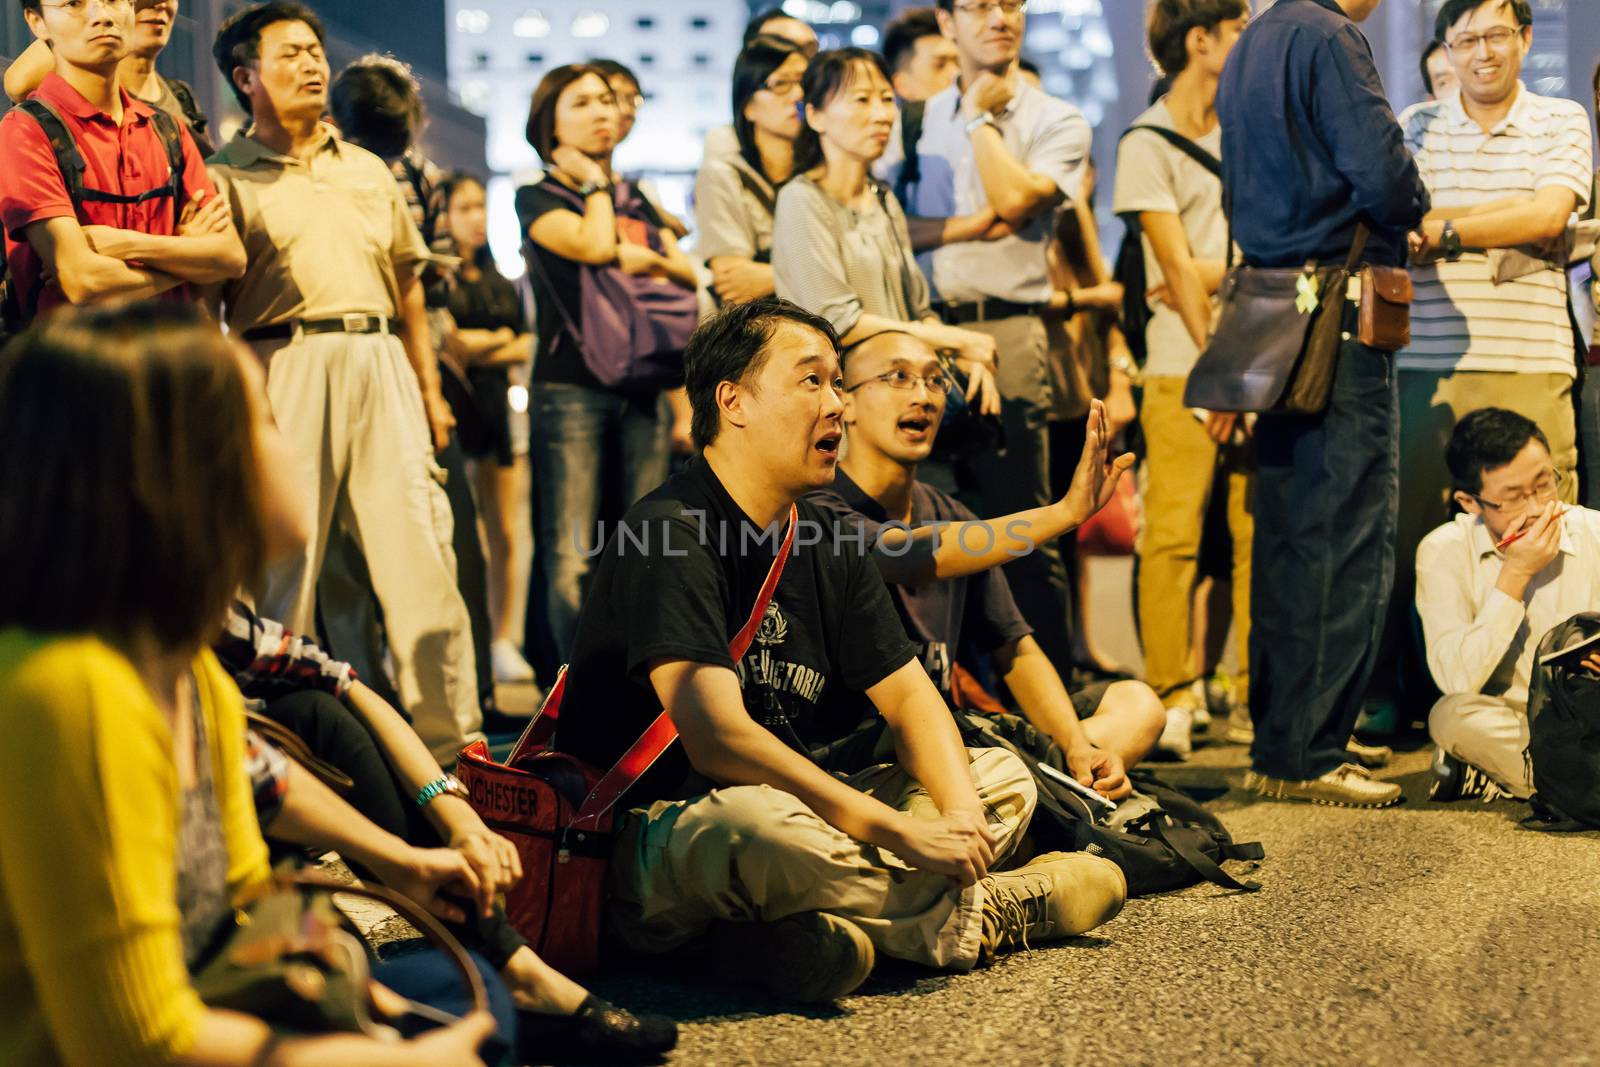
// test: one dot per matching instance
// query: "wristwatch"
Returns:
(1450, 241)
(588, 189)
(984, 119)
(445, 783)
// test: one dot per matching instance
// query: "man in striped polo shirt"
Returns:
(1506, 168)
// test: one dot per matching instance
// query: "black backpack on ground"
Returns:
(1161, 838)
(1564, 734)
(15, 313)
(1129, 269)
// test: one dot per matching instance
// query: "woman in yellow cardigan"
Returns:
(138, 489)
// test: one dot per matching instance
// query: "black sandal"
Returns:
(598, 1032)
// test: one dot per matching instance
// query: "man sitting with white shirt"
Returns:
(1490, 584)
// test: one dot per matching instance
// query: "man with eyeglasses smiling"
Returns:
(1490, 584)
(1506, 168)
(943, 563)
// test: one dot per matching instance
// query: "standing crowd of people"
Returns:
(258, 469)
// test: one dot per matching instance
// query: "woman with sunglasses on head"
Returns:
(841, 247)
(735, 196)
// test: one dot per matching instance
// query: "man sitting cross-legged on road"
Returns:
(943, 563)
(1485, 608)
(799, 876)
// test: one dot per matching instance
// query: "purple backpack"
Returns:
(632, 328)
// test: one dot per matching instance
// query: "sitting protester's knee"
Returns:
(1143, 710)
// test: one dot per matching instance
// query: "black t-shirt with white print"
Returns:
(677, 580)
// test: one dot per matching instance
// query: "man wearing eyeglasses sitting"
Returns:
(1490, 584)
(943, 563)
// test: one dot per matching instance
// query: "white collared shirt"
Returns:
(1461, 319)
(1479, 639)
(1047, 135)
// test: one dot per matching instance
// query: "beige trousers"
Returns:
(1182, 467)
(754, 853)
(351, 411)
(1489, 732)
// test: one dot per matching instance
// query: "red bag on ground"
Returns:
(559, 812)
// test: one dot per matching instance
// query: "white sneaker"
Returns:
(508, 664)
(1201, 712)
(1177, 739)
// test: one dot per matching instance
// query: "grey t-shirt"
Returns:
(730, 218)
(841, 263)
(1154, 175)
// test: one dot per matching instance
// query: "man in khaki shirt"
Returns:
(332, 303)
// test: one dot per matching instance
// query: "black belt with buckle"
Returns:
(957, 312)
(352, 323)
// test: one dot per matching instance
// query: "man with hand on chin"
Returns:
(1490, 584)
(332, 303)
(738, 831)
(942, 562)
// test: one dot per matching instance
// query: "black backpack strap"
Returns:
(68, 156)
(172, 138)
(911, 117)
(763, 195)
(1184, 145)
(1183, 844)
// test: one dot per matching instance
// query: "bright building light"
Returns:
(590, 24)
(864, 36)
(517, 398)
(472, 20)
(531, 24)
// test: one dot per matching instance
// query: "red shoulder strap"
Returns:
(659, 737)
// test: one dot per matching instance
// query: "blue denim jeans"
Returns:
(1326, 497)
(579, 435)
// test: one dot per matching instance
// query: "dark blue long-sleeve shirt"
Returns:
(1310, 145)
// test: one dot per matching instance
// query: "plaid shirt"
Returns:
(268, 662)
(268, 769)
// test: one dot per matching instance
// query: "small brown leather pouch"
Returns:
(1385, 308)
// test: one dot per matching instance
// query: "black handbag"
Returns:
(1277, 340)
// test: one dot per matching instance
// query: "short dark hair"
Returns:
(611, 68)
(828, 73)
(541, 132)
(1486, 440)
(730, 346)
(758, 21)
(1597, 77)
(1170, 21)
(1028, 66)
(756, 63)
(1422, 63)
(900, 37)
(31, 5)
(238, 42)
(378, 104)
(1452, 11)
(130, 489)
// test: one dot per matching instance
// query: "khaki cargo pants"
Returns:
(753, 853)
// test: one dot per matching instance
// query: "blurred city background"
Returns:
(479, 60)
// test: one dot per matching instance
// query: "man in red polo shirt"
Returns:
(128, 238)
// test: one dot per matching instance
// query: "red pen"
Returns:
(1519, 535)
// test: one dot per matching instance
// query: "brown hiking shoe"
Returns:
(1348, 786)
(809, 958)
(1058, 894)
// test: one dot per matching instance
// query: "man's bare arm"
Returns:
(1184, 282)
(418, 341)
(926, 738)
(84, 275)
(205, 251)
(1509, 223)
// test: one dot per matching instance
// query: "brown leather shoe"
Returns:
(1058, 894)
(1347, 786)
